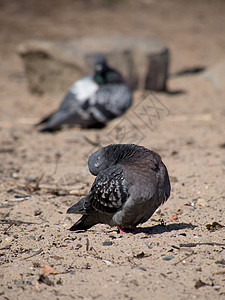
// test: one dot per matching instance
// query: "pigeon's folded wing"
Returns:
(109, 191)
(110, 101)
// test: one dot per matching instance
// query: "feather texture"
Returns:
(131, 183)
(93, 100)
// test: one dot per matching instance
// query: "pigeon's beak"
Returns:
(98, 68)
(97, 165)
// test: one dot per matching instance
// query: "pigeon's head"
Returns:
(97, 162)
(109, 156)
(103, 73)
(100, 63)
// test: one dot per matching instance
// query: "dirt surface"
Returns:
(180, 252)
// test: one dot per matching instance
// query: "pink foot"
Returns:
(122, 231)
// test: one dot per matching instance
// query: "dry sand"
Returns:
(180, 253)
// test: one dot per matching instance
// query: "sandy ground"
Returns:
(180, 252)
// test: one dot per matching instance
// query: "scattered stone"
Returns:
(107, 243)
(201, 202)
(222, 146)
(36, 264)
(112, 237)
(108, 262)
(140, 255)
(221, 262)
(35, 249)
(59, 281)
(37, 212)
(149, 245)
(20, 282)
(168, 257)
(31, 179)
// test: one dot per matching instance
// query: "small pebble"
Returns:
(15, 175)
(31, 179)
(37, 212)
(35, 249)
(112, 236)
(107, 243)
(168, 257)
(20, 282)
(148, 245)
(108, 262)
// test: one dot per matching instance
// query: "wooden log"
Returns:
(52, 67)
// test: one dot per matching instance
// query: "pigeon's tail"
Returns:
(83, 224)
(45, 120)
(87, 220)
(48, 129)
(78, 208)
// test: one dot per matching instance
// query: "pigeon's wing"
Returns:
(80, 92)
(73, 109)
(109, 191)
(110, 101)
(69, 101)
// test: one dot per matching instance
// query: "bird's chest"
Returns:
(84, 89)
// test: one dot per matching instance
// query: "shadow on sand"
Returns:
(159, 229)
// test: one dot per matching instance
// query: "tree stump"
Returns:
(52, 67)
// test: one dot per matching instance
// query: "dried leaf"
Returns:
(200, 284)
(140, 255)
(221, 262)
(173, 179)
(174, 218)
(48, 270)
(135, 282)
(214, 226)
(77, 192)
(44, 279)
(57, 257)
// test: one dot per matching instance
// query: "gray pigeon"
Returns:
(131, 183)
(93, 100)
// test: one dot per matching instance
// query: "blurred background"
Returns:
(43, 174)
(190, 29)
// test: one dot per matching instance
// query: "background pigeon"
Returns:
(131, 183)
(93, 100)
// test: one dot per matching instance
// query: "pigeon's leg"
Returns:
(133, 230)
(122, 231)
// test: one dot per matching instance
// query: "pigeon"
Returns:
(93, 100)
(131, 183)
